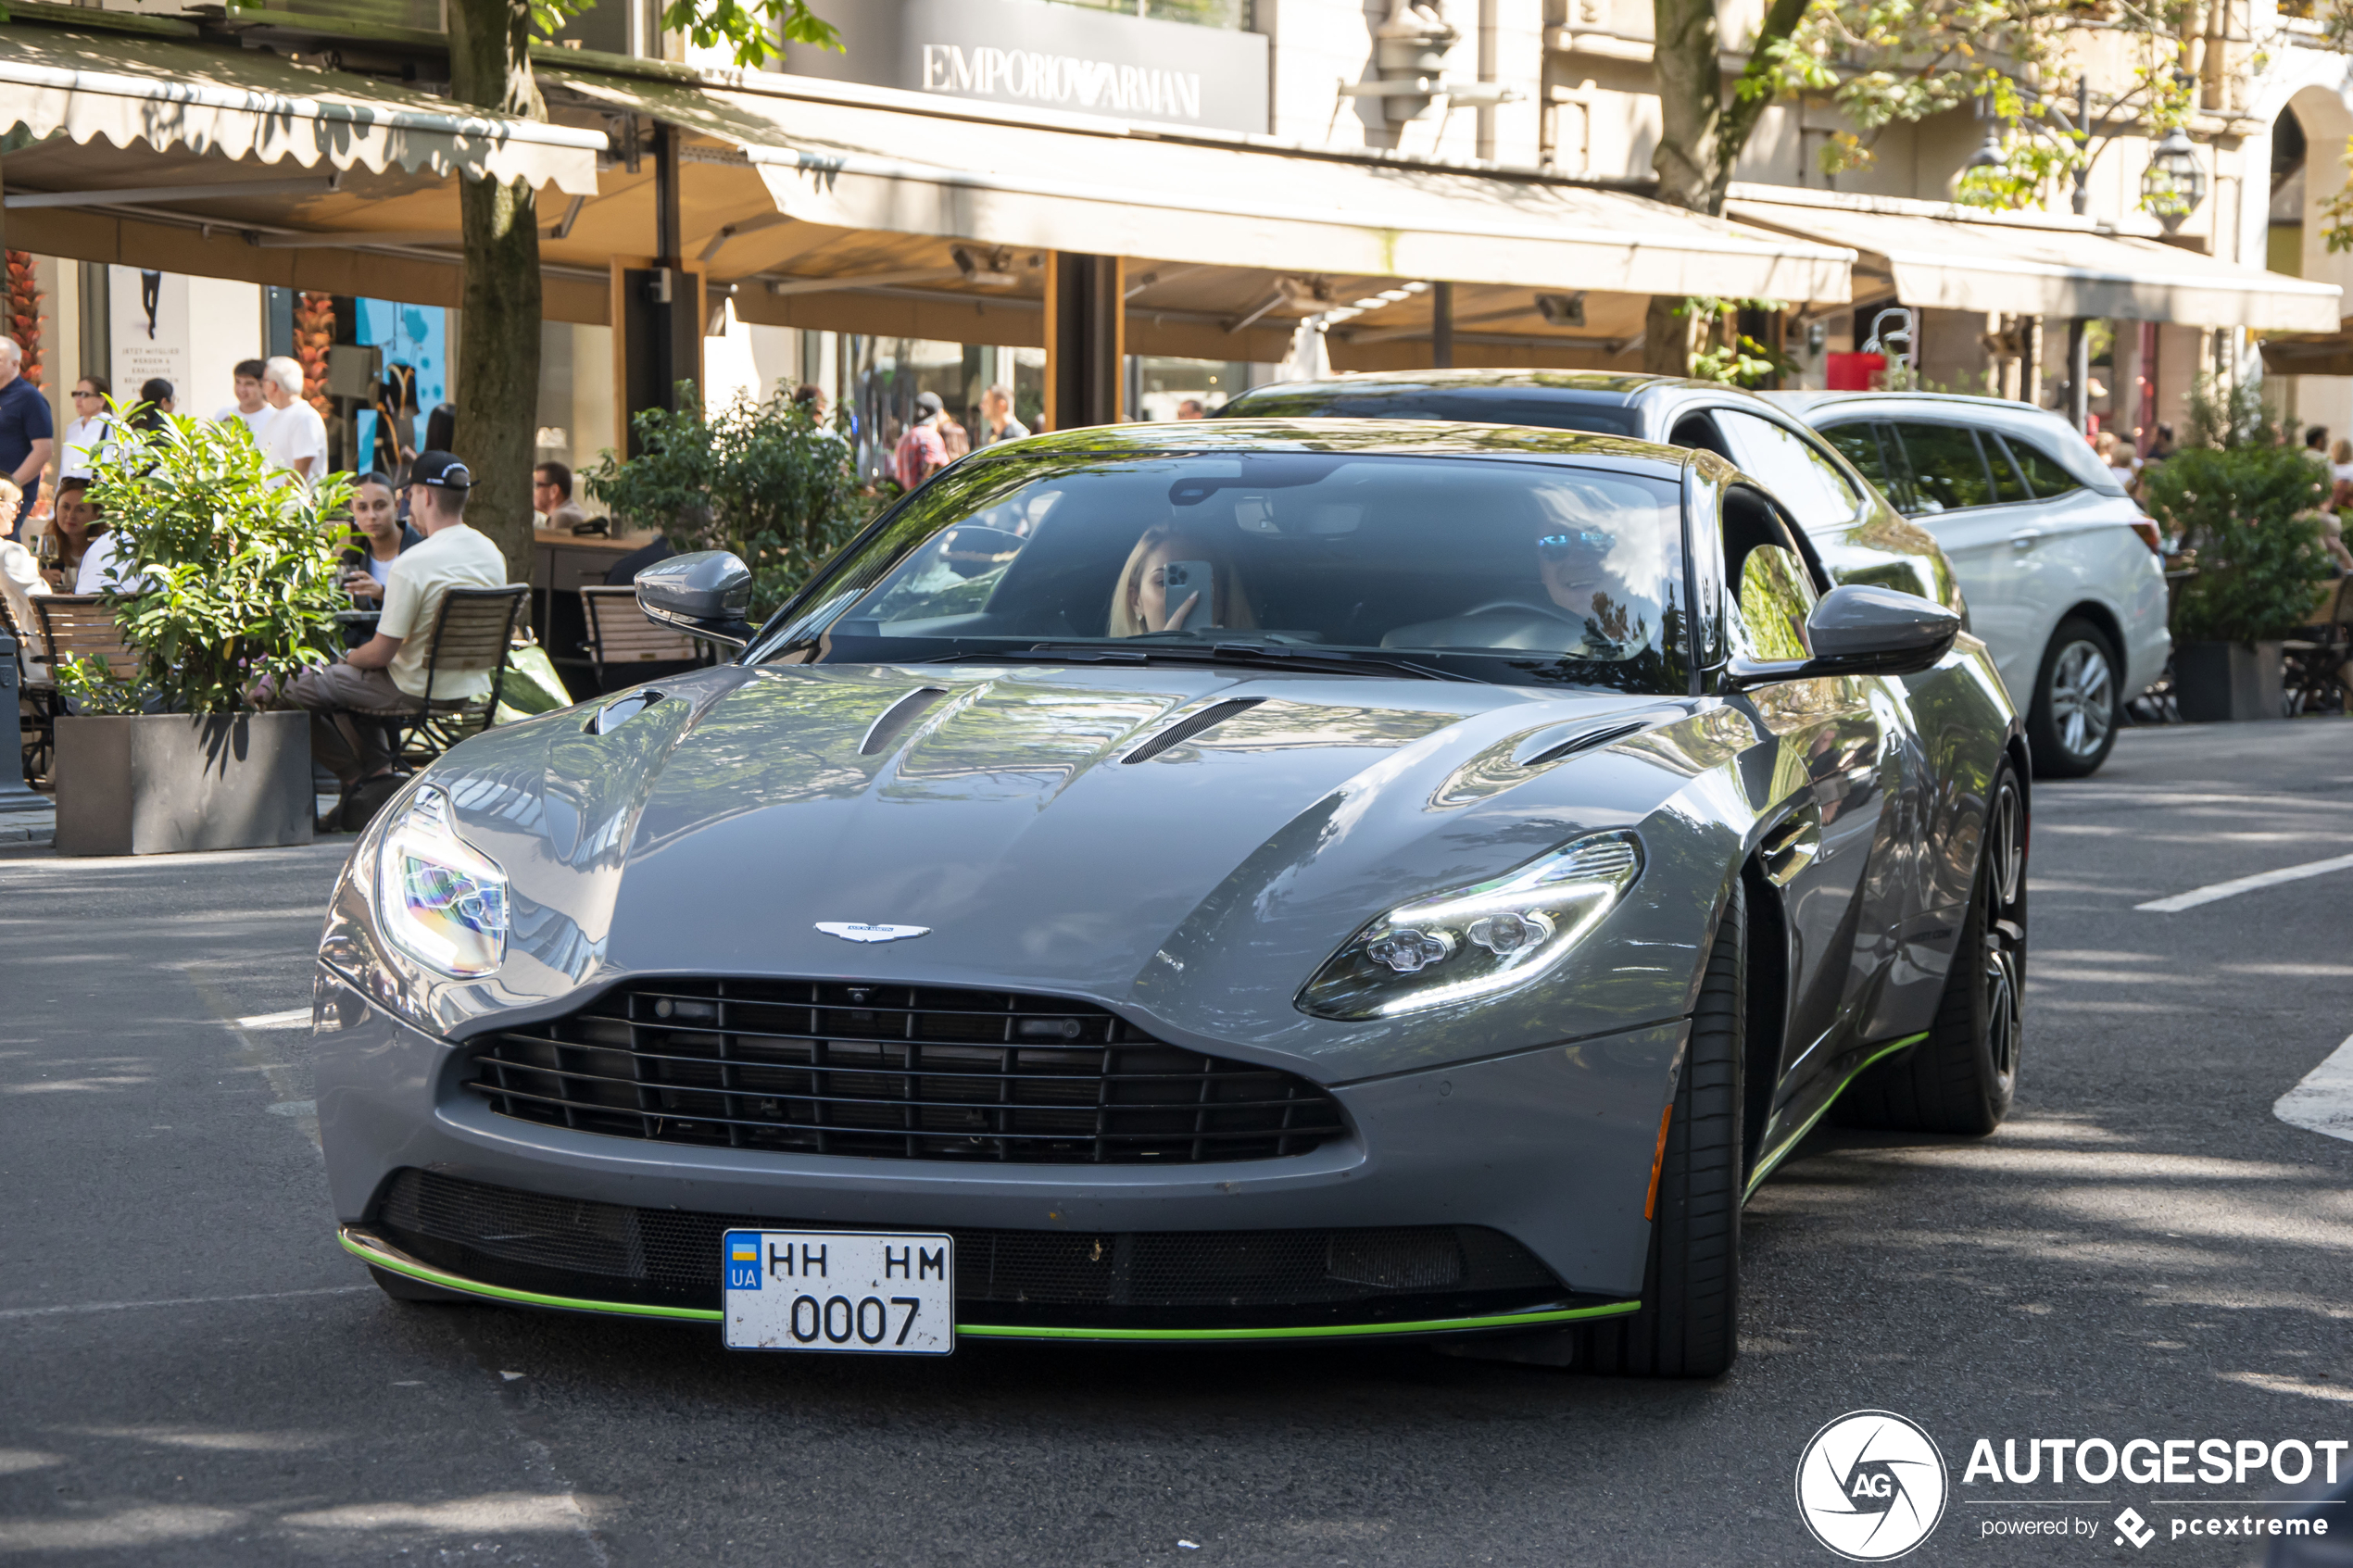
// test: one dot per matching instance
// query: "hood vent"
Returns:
(1184, 730)
(897, 717)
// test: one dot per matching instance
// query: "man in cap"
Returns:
(922, 451)
(386, 673)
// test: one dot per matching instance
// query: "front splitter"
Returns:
(381, 1254)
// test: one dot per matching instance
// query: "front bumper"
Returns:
(1551, 1148)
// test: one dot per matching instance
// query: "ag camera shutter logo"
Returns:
(1871, 1486)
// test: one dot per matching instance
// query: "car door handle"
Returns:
(1792, 845)
(2026, 538)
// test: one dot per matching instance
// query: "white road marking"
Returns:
(295, 1018)
(2209, 894)
(7, 1312)
(2324, 1101)
(294, 1108)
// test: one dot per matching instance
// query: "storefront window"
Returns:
(1160, 387)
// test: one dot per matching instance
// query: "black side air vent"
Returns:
(897, 717)
(1186, 728)
(621, 710)
(1584, 742)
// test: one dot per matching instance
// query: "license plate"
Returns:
(888, 1293)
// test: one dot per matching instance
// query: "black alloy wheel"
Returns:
(1963, 1077)
(2071, 725)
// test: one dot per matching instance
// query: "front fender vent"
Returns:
(891, 1072)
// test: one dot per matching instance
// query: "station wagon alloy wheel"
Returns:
(2071, 726)
(2082, 698)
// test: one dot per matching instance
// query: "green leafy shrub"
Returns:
(762, 479)
(235, 567)
(2247, 509)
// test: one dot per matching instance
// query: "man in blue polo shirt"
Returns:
(26, 432)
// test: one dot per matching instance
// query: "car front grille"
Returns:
(893, 1071)
(665, 1257)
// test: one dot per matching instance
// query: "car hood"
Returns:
(714, 831)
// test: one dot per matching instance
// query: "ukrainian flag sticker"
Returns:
(743, 1260)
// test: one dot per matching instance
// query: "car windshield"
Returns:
(1485, 569)
(1601, 413)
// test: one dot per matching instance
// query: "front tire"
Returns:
(1689, 1323)
(1964, 1076)
(2070, 726)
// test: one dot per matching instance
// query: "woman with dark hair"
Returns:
(157, 394)
(367, 564)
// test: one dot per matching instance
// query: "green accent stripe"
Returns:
(1342, 1330)
(431, 1276)
(1765, 1167)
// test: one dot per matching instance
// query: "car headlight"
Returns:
(1477, 941)
(439, 898)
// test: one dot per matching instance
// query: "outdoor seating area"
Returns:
(244, 604)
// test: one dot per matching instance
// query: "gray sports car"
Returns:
(1259, 880)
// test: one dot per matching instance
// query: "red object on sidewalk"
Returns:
(1852, 372)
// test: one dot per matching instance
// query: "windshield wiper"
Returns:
(1265, 655)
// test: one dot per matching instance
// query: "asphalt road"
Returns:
(192, 1373)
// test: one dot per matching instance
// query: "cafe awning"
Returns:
(2048, 267)
(897, 163)
(173, 93)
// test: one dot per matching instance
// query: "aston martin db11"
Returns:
(1243, 881)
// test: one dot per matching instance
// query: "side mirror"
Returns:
(706, 593)
(1862, 630)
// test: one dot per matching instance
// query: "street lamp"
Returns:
(2174, 183)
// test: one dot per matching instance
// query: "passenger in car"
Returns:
(1140, 602)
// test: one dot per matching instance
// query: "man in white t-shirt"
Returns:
(252, 407)
(295, 437)
(386, 673)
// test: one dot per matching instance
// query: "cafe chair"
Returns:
(36, 698)
(626, 646)
(2310, 659)
(471, 636)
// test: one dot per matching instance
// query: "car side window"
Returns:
(1771, 596)
(2043, 475)
(1807, 482)
(1872, 449)
(2009, 485)
(1948, 472)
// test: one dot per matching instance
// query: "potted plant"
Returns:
(764, 482)
(2243, 499)
(227, 573)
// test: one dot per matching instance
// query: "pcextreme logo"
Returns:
(1871, 1486)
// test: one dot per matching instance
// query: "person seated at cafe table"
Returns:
(85, 545)
(367, 561)
(386, 673)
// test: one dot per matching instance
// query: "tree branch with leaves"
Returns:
(498, 335)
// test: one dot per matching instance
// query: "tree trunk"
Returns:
(1700, 139)
(497, 389)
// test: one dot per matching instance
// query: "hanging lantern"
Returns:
(2174, 183)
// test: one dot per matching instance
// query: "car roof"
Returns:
(1623, 384)
(1420, 438)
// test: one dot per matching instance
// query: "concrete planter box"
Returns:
(165, 783)
(2218, 681)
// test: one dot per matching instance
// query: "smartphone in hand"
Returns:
(1181, 580)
